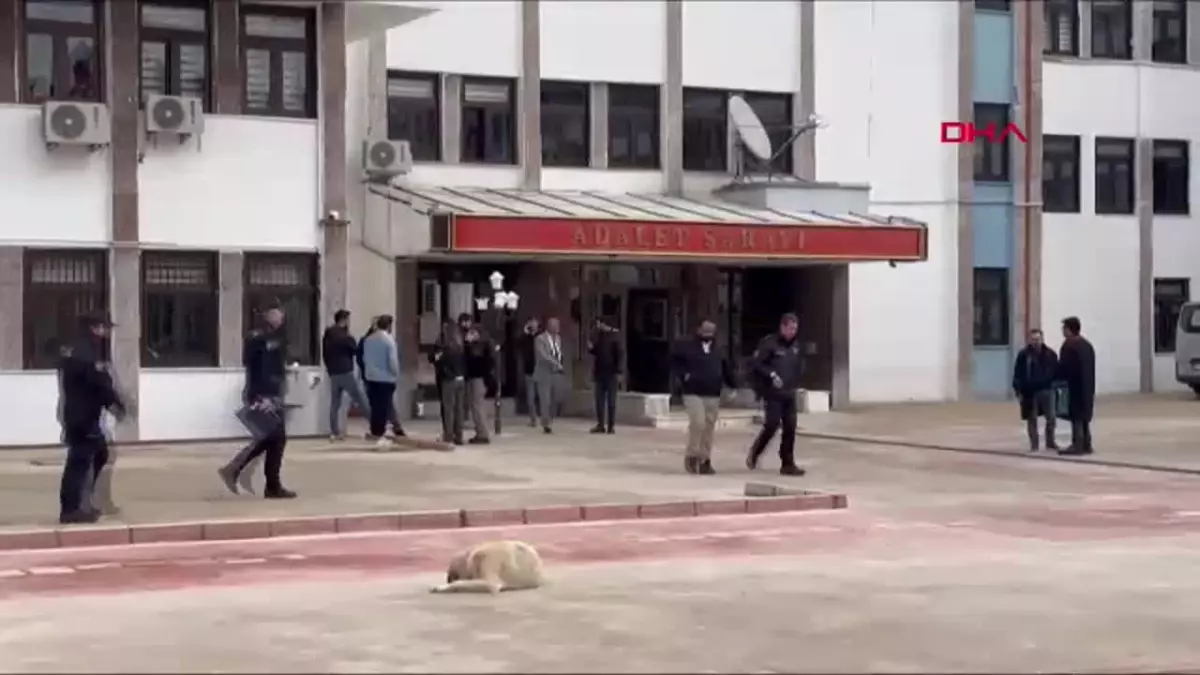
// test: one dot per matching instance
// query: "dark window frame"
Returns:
(990, 333)
(60, 32)
(1109, 187)
(627, 118)
(993, 6)
(277, 46)
(487, 115)
(1054, 13)
(1060, 194)
(778, 130)
(1170, 295)
(985, 158)
(53, 307)
(556, 114)
(1116, 40)
(303, 345)
(1171, 156)
(705, 133)
(425, 147)
(173, 39)
(1163, 47)
(185, 299)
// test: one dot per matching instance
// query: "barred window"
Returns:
(60, 285)
(180, 310)
(290, 280)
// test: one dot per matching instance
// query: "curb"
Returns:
(232, 530)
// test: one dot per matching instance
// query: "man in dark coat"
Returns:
(606, 372)
(1033, 383)
(1077, 368)
(528, 358)
(778, 366)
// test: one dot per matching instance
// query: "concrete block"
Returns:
(157, 534)
(492, 517)
(250, 529)
(298, 527)
(431, 520)
(94, 536)
(610, 512)
(667, 510)
(368, 522)
(720, 507)
(762, 490)
(33, 539)
(814, 401)
(553, 514)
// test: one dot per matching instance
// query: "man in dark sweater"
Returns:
(1033, 380)
(778, 366)
(605, 349)
(480, 361)
(339, 352)
(702, 370)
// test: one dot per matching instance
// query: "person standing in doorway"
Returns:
(480, 365)
(339, 351)
(549, 372)
(381, 370)
(1033, 382)
(265, 358)
(87, 390)
(1077, 368)
(525, 351)
(778, 365)
(449, 364)
(605, 349)
(702, 370)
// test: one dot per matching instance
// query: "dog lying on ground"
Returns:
(492, 567)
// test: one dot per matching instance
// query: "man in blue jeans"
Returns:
(339, 351)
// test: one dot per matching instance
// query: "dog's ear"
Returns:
(451, 576)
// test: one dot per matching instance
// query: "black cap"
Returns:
(93, 319)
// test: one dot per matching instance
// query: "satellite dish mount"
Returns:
(755, 139)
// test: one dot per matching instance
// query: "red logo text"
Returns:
(967, 132)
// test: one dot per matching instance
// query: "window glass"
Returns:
(154, 68)
(65, 11)
(269, 26)
(172, 17)
(39, 66)
(295, 81)
(81, 53)
(192, 71)
(258, 79)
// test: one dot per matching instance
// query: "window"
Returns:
(1170, 31)
(1062, 27)
(291, 280)
(705, 130)
(566, 124)
(992, 5)
(415, 113)
(62, 58)
(991, 306)
(59, 286)
(991, 157)
(1060, 174)
(775, 112)
(489, 133)
(1169, 297)
(1112, 29)
(1114, 175)
(1171, 178)
(633, 126)
(179, 310)
(278, 48)
(175, 48)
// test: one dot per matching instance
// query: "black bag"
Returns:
(1062, 401)
(260, 422)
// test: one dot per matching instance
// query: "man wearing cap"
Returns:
(265, 358)
(87, 390)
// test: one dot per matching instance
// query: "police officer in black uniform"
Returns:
(265, 357)
(87, 390)
(778, 366)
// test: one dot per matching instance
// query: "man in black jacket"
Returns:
(1077, 367)
(339, 353)
(605, 349)
(528, 358)
(778, 366)
(702, 370)
(265, 358)
(87, 390)
(1033, 383)
(480, 358)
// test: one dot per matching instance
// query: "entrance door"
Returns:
(648, 343)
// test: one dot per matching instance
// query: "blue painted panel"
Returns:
(991, 371)
(992, 216)
(993, 63)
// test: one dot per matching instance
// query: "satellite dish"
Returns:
(749, 128)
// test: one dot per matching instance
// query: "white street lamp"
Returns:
(497, 281)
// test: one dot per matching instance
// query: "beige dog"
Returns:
(492, 567)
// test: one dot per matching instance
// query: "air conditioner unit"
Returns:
(75, 123)
(383, 159)
(182, 115)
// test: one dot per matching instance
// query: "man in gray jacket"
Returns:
(549, 372)
(381, 371)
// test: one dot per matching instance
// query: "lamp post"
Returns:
(500, 304)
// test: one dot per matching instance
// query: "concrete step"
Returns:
(729, 419)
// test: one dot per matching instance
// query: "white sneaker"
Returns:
(383, 444)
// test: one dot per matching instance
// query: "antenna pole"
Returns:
(797, 133)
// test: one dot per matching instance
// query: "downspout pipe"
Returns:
(1027, 201)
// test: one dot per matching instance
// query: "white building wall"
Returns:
(595, 41)
(749, 45)
(461, 36)
(1127, 101)
(886, 76)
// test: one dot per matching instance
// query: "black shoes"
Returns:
(229, 477)
(597, 429)
(79, 518)
(695, 465)
(547, 430)
(706, 468)
(1074, 452)
(752, 458)
(610, 430)
(791, 470)
(479, 440)
(279, 493)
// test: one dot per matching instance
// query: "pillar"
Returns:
(529, 87)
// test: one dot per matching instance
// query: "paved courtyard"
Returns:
(946, 560)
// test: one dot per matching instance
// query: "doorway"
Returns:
(648, 342)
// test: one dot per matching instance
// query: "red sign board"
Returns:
(489, 234)
(967, 132)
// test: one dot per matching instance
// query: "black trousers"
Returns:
(605, 392)
(271, 447)
(1081, 434)
(383, 410)
(86, 456)
(780, 416)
